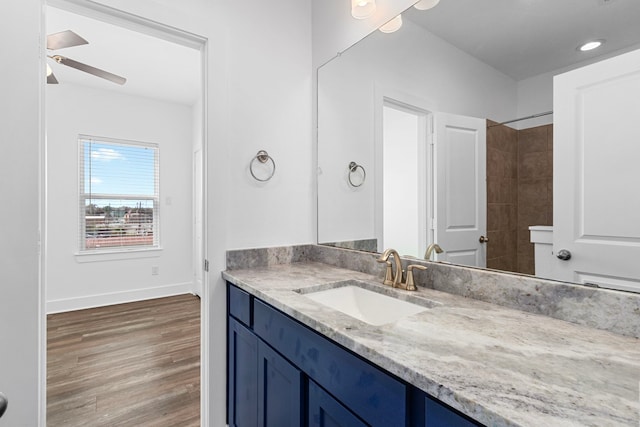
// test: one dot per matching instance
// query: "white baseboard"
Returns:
(100, 300)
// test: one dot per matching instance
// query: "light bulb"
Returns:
(426, 4)
(591, 45)
(393, 25)
(49, 70)
(361, 9)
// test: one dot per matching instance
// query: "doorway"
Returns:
(161, 113)
(407, 171)
(432, 188)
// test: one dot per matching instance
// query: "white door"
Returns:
(597, 173)
(461, 196)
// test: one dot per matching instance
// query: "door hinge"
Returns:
(206, 265)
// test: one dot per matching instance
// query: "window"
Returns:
(118, 195)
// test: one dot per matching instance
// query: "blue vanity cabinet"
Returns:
(325, 411)
(242, 376)
(280, 396)
(282, 373)
(429, 412)
(264, 389)
(240, 305)
(366, 390)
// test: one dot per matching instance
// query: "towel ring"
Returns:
(262, 157)
(353, 167)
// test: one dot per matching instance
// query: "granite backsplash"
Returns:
(614, 311)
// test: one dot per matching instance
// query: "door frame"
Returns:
(175, 35)
(385, 96)
(424, 164)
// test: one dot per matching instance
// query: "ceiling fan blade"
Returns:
(89, 69)
(51, 79)
(64, 39)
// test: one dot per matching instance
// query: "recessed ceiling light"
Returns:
(590, 45)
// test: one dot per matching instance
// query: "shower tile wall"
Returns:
(502, 197)
(535, 188)
(519, 193)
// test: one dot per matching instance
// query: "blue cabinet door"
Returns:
(369, 392)
(438, 415)
(279, 390)
(427, 411)
(242, 376)
(325, 411)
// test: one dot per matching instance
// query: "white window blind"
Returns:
(119, 202)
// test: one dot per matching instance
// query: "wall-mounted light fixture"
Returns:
(393, 25)
(361, 9)
(426, 4)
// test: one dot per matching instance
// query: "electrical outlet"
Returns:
(155, 270)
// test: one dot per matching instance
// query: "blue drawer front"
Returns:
(373, 395)
(240, 305)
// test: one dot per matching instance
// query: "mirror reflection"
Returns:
(420, 109)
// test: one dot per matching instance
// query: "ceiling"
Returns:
(524, 38)
(154, 68)
(520, 38)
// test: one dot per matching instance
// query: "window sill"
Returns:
(116, 255)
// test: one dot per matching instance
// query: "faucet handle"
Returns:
(388, 274)
(411, 286)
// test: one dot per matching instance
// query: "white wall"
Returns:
(20, 136)
(335, 30)
(258, 97)
(535, 94)
(412, 63)
(78, 281)
(268, 100)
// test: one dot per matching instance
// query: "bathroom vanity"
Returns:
(283, 373)
(459, 362)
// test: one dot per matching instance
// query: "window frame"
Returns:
(84, 195)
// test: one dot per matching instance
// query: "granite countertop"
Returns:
(500, 366)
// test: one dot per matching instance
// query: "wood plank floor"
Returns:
(135, 364)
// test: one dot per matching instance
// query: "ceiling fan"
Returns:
(68, 38)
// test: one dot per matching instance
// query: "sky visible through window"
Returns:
(117, 169)
(119, 195)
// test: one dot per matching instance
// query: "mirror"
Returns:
(494, 62)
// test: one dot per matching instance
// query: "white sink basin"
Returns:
(369, 306)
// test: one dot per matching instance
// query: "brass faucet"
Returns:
(390, 278)
(410, 285)
(396, 280)
(432, 247)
